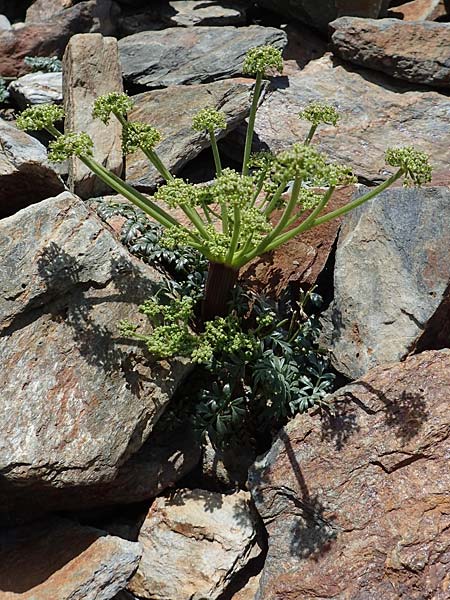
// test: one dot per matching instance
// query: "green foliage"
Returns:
(139, 136)
(4, 94)
(320, 112)
(48, 64)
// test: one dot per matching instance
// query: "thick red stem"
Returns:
(219, 286)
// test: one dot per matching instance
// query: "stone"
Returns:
(91, 68)
(204, 12)
(187, 55)
(391, 280)
(26, 176)
(78, 399)
(171, 110)
(356, 504)
(194, 543)
(36, 88)
(4, 23)
(49, 38)
(375, 115)
(60, 559)
(416, 52)
(419, 10)
(42, 10)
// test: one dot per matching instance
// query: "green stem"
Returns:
(275, 198)
(216, 154)
(251, 123)
(195, 218)
(310, 135)
(235, 236)
(53, 131)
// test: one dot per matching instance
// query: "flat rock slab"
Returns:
(26, 176)
(412, 51)
(171, 110)
(374, 116)
(188, 55)
(36, 88)
(419, 10)
(391, 280)
(194, 543)
(357, 506)
(59, 559)
(78, 400)
(200, 12)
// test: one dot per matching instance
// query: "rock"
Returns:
(356, 505)
(415, 52)
(36, 88)
(42, 10)
(154, 58)
(319, 14)
(375, 115)
(91, 68)
(194, 543)
(50, 37)
(4, 23)
(26, 176)
(171, 110)
(201, 12)
(78, 399)
(250, 590)
(420, 10)
(391, 280)
(57, 558)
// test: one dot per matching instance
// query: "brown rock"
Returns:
(42, 10)
(357, 505)
(419, 10)
(91, 68)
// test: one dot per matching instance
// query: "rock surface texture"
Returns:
(57, 559)
(357, 506)
(36, 88)
(25, 173)
(91, 68)
(191, 54)
(415, 52)
(420, 10)
(391, 280)
(194, 543)
(78, 400)
(200, 12)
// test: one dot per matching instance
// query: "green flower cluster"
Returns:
(223, 335)
(178, 193)
(112, 103)
(254, 225)
(308, 199)
(209, 119)
(39, 117)
(137, 136)
(262, 58)
(414, 163)
(175, 237)
(233, 189)
(70, 144)
(320, 112)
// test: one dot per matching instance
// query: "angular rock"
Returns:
(375, 115)
(59, 559)
(415, 52)
(26, 176)
(91, 68)
(78, 399)
(50, 37)
(42, 10)
(391, 280)
(356, 505)
(36, 88)
(188, 55)
(201, 12)
(419, 10)
(171, 110)
(4, 23)
(194, 543)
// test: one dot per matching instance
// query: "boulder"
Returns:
(59, 559)
(26, 176)
(188, 55)
(171, 110)
(50, 37)
(42, 10)
(356, 503)
(91, 68)
(391, 280)
(375, 114)
(419, 10)
(36, 88)
(4, 23)
(200, 12)
(415, 52)
(194, 543)
(78, 399)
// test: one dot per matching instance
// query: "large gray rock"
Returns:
(201, 12)
(191, 54)
(25, 173)
(59, 559)
(171, 110)
(91, 68)
(194, 543)
(375, 114)
(78, 400)
(36, 88)
(415, 52)
(391, 280)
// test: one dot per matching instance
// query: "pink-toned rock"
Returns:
(357, 504)
(420, 10)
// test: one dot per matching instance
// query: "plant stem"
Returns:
(235, 236)
(275, 198)
(310, 135)
(216, 154)
(219, 286)
(251, 123)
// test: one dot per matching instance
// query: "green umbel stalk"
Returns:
(251, 123)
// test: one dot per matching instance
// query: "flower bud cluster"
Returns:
(209, 119)
(308, 199)
(70, 144)
(233, 189)
(255, 224)
(39, 117)
(301, 162)
(261, 161)
(262, 58)
(414, 163)
(137, 136)
(112, 103)
(178, 193)
(175, 237)
(320, 112)
(218, 242)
